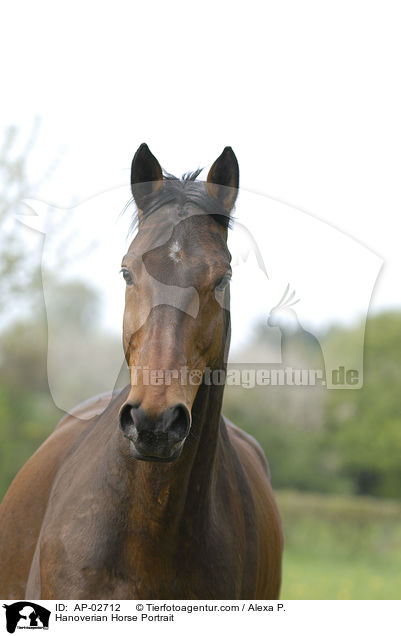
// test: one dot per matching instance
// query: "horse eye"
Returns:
(222, 283)
(127, 276)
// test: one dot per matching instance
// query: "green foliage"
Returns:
(365, 426)
(340, 547)
(345, 441)
(26, 419)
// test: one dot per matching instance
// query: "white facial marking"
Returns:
(175, 252)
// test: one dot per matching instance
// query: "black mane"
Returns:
(182, 191)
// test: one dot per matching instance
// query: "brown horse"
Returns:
(157, 496)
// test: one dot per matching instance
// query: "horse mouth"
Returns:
(155, 455)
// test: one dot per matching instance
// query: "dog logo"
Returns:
(26, 615)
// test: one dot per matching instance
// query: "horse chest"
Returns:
(138, 566)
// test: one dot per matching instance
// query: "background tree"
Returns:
(27, 411)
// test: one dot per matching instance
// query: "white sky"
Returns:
(307, 94)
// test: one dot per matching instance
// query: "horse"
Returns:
(152, 493)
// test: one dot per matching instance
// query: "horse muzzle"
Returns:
(158, 439)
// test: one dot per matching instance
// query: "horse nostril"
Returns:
(127, 421)
(177, 422)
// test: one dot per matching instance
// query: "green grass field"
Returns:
(340, 547)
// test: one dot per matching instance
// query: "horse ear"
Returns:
(146, 175)
(223, 179)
